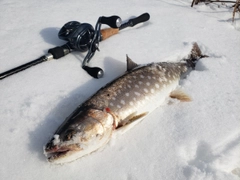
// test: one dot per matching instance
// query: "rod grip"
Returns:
(132, 22)
(106, 33)
(142, 18)
(61, 51)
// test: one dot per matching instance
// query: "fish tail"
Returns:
(194, 56)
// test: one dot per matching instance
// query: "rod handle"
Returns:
(132, 22)
(108, 32)
(60, 51)
(142, 18)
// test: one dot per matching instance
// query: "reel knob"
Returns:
(95, 72)
(112, 21)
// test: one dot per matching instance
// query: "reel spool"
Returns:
(79, 36)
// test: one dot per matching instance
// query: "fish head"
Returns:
(79, 135)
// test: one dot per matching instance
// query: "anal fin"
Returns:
(180, 95)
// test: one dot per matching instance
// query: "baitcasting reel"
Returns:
(82, 37)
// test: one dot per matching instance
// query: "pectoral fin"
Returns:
(180, 95)
(130, 121)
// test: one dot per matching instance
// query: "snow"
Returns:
(194, 140)
(56, 139)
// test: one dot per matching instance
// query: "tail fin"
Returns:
(194, 56)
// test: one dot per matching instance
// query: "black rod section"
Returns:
(132, 22)
(54, 53)
(22, 67)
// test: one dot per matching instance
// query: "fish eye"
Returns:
(69, 134)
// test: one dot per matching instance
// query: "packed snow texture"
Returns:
(194, 140)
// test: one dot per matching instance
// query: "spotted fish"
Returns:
(120, 104)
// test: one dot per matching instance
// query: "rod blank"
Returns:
(23, 67)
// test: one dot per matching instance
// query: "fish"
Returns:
(118, 105)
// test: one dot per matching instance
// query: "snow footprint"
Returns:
(220, 161)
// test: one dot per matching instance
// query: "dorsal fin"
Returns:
(130, 64)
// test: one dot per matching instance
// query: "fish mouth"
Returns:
(56, 153)
(51, 156)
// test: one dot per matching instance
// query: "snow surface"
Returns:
(196, 140)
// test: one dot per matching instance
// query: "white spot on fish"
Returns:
(156, 85)
(140, 82)
(164, 70)
(154, 77)
(131, 103)
(113, 98)
(127, 94)
(111, 104)
(145, 90)
(137, 93)
(146, 97)
(129, 81)
(134, 99)
(149, 77)
(148, 83)
(137, 86)
(119, 106)
(122, 102)
(134, 77)
(152, 91)
(128, 86)
(141, 76)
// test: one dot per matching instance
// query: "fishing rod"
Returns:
(82, 37)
